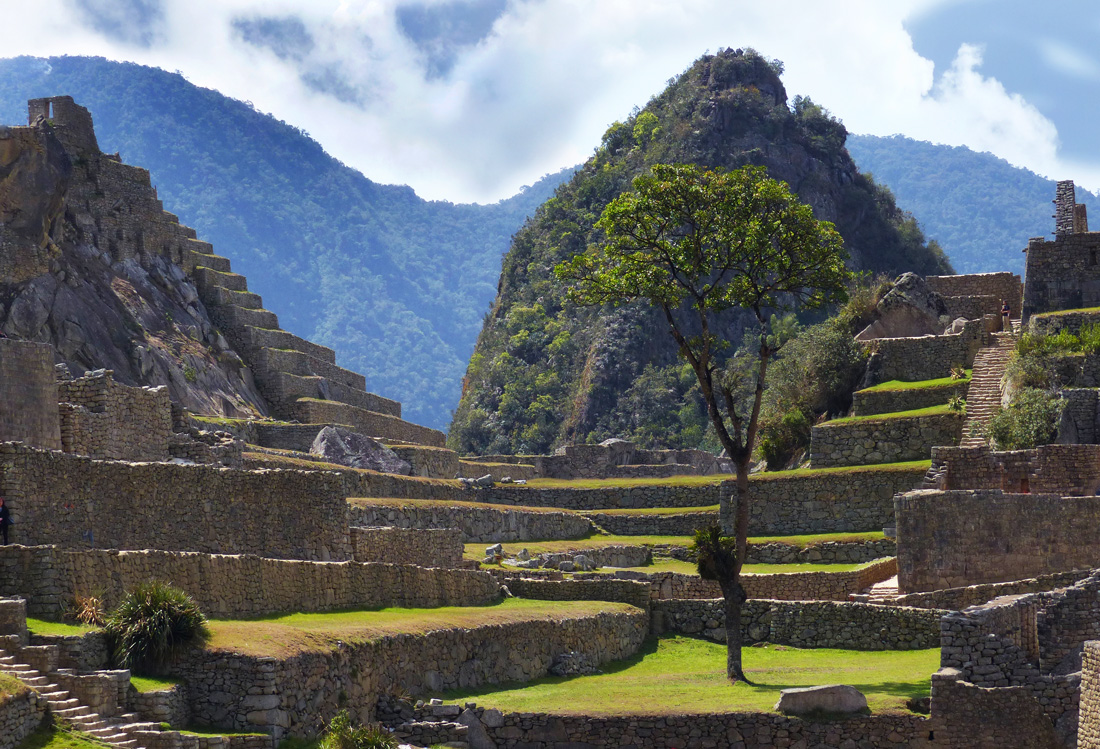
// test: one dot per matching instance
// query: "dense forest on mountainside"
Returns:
(980, 208)
(545, 372)
(397, 285)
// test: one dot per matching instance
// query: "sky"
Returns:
(468, 100)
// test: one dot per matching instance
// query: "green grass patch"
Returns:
(290, 634)
(477, 550)
(1059, 313)
(55, 737)
(903, 467)
(895, 385)
(654, 510)
(65, 629)
(429, 503)
(929, 411)
(10, 685)
(677, 675)
(150, 684)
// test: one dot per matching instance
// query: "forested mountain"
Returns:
(545, 372)
(397, 285)
(980, 208)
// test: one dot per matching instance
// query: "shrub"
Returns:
(152, 624)
(343, 734)
(957, 404)
(88, 610)
(1090, 338)
(1029, 421)
(958, 373)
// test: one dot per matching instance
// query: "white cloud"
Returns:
(538, 91)
(1066, 58)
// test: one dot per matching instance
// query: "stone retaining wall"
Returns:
(925, 357)
(1000, 286)
(20, 716)
(860, 499)
(425, 547)
(161, 706)
(969, 716)
(954, 599)
(103, 419)
(868, 402)
(430, 462)
(1088, 726)
(1053, 323)
(78, 502)
(1020, 536)
(297, 695)
(608, 498)
(705, 731)
(805, 624)
(829, 552)
(882, 440)
(232, 586)
(680, 524)
(1067, 470)
(87, 652)
(634, 592)
(484, 524)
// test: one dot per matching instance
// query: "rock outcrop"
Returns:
(908, 310)
(348, 448)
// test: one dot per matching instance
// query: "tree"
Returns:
(697, 243)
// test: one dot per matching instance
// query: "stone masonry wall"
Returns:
(805, 624)
(940, 545)
(479, 524)
(105, 420)
(1007, 286)
(28, 394)
(955, 599)
(20, 715)
(679, 524)
(1088, 726)
(969, 716)
(868, 402)
(1062, 274)
(882, 440)
(424, 547)
(826, 502)
(78, 502)
(1055, 322)
(232, 586)
(924, 357)
(299, 694)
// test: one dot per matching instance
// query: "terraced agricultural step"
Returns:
(255, 338)
(230, 318)
(283, 391)
(268, 361)
(369, 423)
(208, 278)
(221, 297)
(197, 259)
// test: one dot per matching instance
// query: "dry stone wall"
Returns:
(83, 503)
(805, 624)
(662, 524)
(20, 715)
(479, 524)
(1088, 727)
(824, 502)
(996, 286)
(232, 585)
(924, 357)
(882, 440)
(969, 716)
(869, 402)
(105, 420)
(1020, 536)
(28, 394)
(430, 462)
(955, 599)
(424, 547)
(1062, 274)
(299, 694)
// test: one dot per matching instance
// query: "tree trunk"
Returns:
(734, 597)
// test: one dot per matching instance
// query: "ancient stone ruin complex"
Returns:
(156, 423)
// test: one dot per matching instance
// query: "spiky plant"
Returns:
(152, 624)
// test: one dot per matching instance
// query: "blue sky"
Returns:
(467, 100)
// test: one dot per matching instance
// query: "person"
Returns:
(5, 520)
(1005, 312)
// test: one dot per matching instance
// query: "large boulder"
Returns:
(909, 309)
(832, 698)
(348, 448)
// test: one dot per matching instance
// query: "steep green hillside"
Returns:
(980, 208)
(545, 372)
(397, 285)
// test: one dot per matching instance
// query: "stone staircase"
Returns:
(119, 731)
(984, 396)
(300, 379)
(883, 592)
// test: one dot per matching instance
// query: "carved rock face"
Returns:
(910, 308)
(34, 177)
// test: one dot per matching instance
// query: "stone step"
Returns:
(63, 703)
(283, 390)
(370, 423)
(255, 338)
(271, 360)
(208, 278)
(218, 296)
(231, 318)
(70, 712)
(36, 681)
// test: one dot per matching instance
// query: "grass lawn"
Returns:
(151, 684)
(677, 675)
(54, 737)
(289, 634)
(477, 550)
(42, 627)
(894, 385)
(930, 411)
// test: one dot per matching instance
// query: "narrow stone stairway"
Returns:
(883, 592)
(984, 396)
(116, 731)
